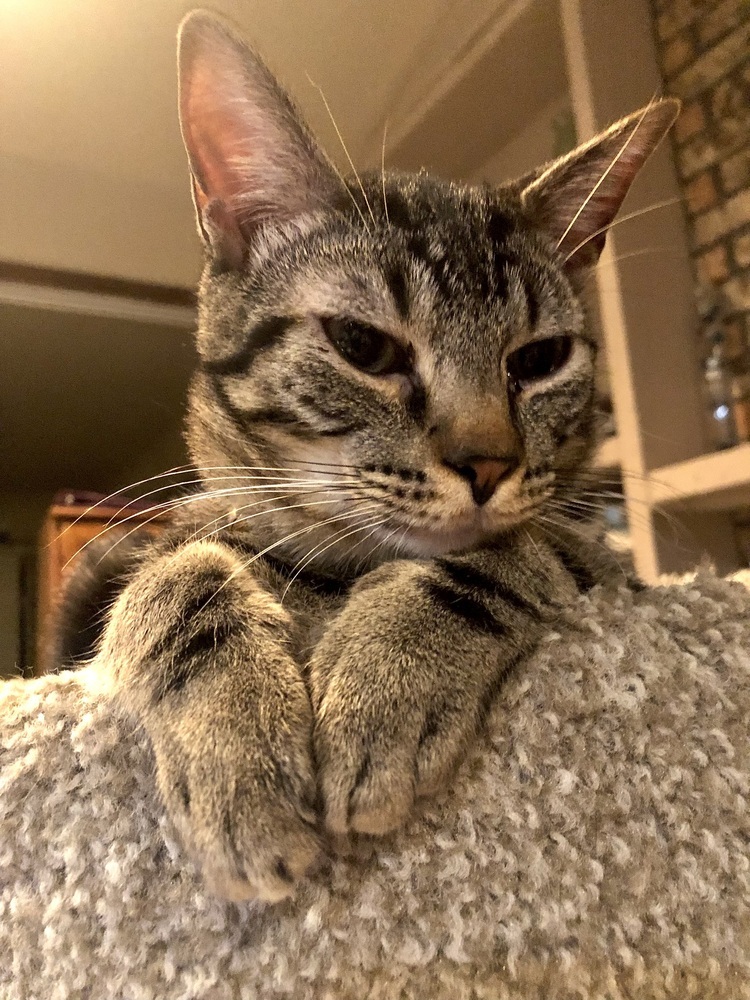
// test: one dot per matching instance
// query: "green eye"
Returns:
(539, 359)
(364, 347)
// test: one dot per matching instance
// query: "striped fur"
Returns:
(313, 648)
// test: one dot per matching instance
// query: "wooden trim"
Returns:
(112, 512)
(97, 284)
(719, 480)
(66, 529)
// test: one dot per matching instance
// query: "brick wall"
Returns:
(704, 48)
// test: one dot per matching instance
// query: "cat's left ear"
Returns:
(252, 158)
(576, 198)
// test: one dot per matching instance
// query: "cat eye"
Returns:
(538, 359)
(364, 347)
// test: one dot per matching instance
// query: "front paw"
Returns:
(388, 731)
(238, 782)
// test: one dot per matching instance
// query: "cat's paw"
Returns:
(239, 785)
(388, 731)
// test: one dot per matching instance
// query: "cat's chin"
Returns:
(427, 543)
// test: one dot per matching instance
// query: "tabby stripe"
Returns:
(226, 403)
(333, 585)
(262, 336)
(490, 695)
(464, 606)
(399, 213)
(205, 640)
(438, 267)
(340, 431)
(272, 415)
(247, 418)
(365, 768)
(292, 422)
(464, 575)
(440, 271)
(188, 657)
(416, 401)
(532, 305)
(396, 281)
(582, 575)
(332, 413)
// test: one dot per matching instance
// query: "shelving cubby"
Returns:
(500, 111)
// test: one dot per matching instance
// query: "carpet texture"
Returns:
(596, 845)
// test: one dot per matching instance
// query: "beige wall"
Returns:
(530, 148)
(67, 217)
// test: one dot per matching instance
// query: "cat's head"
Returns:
(402, 358)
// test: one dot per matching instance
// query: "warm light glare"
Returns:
(18, 7)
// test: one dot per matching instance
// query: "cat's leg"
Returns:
(404, 675)
(200, 657)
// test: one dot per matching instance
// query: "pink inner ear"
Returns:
(577, 198)
(212, 129)
(251, 158)
(580, 226)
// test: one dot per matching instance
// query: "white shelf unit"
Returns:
(489, 119)
(608, 454)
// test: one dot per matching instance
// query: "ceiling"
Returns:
(92, 168)
(91, 83)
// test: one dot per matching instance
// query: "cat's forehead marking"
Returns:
(342, 290)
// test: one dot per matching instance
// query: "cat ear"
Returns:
(251, 158)
(575, 199)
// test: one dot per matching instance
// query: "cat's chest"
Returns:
(311, 601)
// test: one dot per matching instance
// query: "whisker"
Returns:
(593, 476)
(382, 174)
(274, 545)
(678, 533)
(607, 172)
(166, 507)
(567, 507)
(274, 482)
(536, 547)
(100, 503)
(273, 510)
(311, 488)
(546, 523)
(179, 470)
(381, 543)
(346, 151)
(631, 254)
(362, 541)
(198, 533)
(316, 551)
(620, 219)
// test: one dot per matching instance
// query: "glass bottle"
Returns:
(717, 394)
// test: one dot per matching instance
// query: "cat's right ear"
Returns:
(575, 199)
(252, 159)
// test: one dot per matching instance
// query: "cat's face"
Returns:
(401, 358)
(434, 360)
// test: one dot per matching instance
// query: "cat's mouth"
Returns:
(458, 534)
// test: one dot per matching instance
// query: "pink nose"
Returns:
(483, 474)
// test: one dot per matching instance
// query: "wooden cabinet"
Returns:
(67, 529)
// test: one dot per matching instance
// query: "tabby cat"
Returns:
(393, 410)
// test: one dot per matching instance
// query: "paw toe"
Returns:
(373, 799)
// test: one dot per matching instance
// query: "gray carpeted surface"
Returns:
(597, 846)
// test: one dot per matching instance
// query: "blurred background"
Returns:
(99, 257)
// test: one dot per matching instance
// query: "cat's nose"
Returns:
(482, 473)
